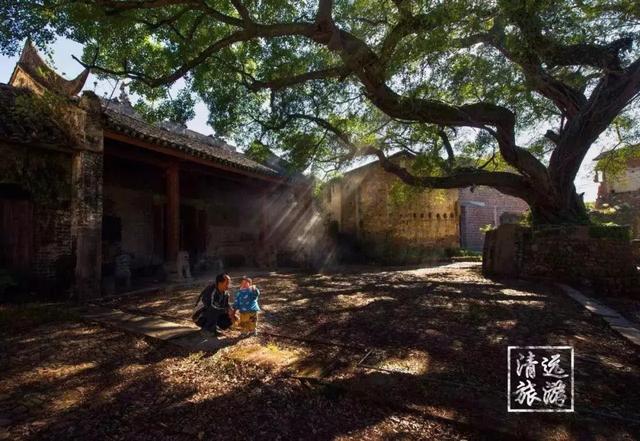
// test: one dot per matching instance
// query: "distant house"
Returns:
(424, 225)
(620, 191)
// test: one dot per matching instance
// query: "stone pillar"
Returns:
(172, 231)
(86, 221)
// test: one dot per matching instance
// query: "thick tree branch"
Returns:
(552, 136)
(552, 53)
(505, 182)
(403, 7)
(243, 11)
(366, 65)
(612, 94)
(422, 23)
(324, 15)
(595, 55)
(282, 82)
(508, 183)
(566, 98)
(447, 147)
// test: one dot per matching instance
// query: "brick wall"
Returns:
(474, 217)
(86, 222)
(53, 260)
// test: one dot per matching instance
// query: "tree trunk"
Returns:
(564, 207)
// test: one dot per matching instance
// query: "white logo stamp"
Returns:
(540, 379)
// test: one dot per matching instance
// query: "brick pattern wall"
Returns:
(53, 250)
(474, 217)
(86, 222)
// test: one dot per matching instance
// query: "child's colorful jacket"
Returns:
(247, 300)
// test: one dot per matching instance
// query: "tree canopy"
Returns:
(510, 94)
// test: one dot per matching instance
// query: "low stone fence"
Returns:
(596, 256)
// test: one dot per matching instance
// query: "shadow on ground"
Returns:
(440, 334)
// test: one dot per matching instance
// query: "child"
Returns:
(246, 301)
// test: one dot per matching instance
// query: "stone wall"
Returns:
(482, 206)
(600, 257)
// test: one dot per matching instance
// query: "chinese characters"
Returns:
(540, 379)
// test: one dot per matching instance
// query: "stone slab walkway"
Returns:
(188, 337)
(621, 325)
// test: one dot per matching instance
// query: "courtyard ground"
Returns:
(366, 353)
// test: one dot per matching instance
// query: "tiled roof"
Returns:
(122, 121)
(607, 153)
(400, 154)
(20, 124)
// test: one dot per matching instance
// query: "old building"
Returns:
(368, 205)
(91, 195)
(620, 192)
(395, 224)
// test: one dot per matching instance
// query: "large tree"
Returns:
(509, 94)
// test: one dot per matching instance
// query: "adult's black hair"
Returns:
(221, 277)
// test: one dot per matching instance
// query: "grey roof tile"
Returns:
(189, 142)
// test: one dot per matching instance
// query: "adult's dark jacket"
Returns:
(216, 306)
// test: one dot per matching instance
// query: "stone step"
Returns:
(187, 336)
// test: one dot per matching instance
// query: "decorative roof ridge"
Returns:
(32, 63)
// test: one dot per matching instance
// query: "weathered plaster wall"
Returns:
(332, 202)
(629, 180)
(135, 209)
(232, 213)
(416, 227)
(296, 229)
